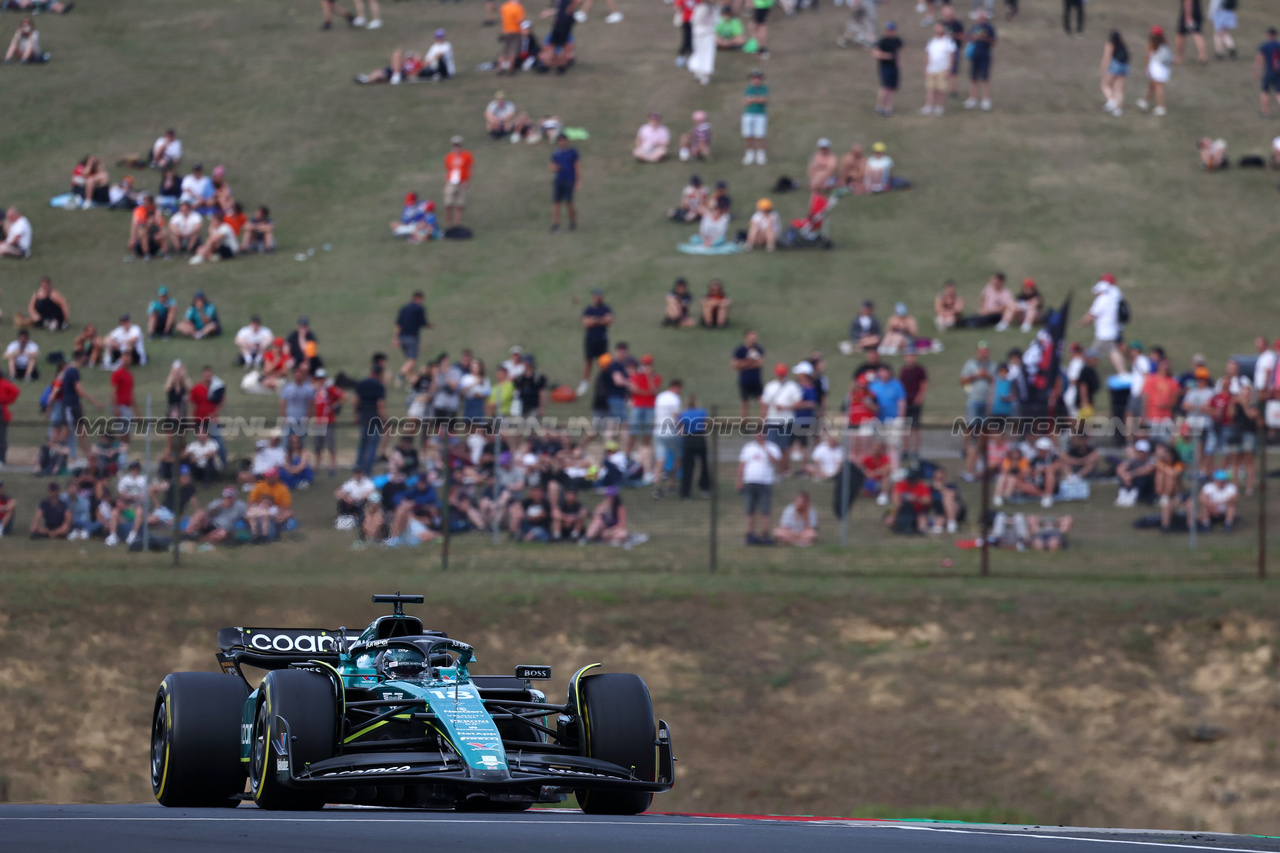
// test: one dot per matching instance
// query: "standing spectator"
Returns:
(757, 463)
(915, 381)
(975, 379)
(325, 403)
(1224, 24)
(758, 29)
(890, 394)
(1115, 68)
(9, 394)
(17, 235)
(982, 41)
(1104, 314)
(1266, 69)
(1159, 58)
(1088, 384)
(778, 404)
(748, 358)
(799, 523)
(566, 174)
(694, 426)
(644, 385)
(457, 170)
(886, 54)
(1190, 22)
(667, 442)
(596, 319)
(207, 397)
(371, 409)
(201, 320)
(652, 140)
(1239, 425)
(706, 18)
(253, 341)
(531, 387)
(161, 314)
(684, 12)
(410, 322)
(1069, 6)
(73, 395)
(122, 393)
(510, 13)
(23, 357)
(1264, 368)
(938, 56)
(755, 118)
(296, 400)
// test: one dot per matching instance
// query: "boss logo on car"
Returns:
(368, 771)
(293, 643)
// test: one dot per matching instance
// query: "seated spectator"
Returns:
(652, 140)
(994, 300)
(501, 119)
(277, 362)
(427, 227)
(822, 168)
(181, 492)
(184, 229)
(221, 243)
(1213, 153)
(417, 514)
(170, 191)
(911, 499)
(197, 188)
(692, 199)
(354, 493)
(126, 336)
(878, 177)
(53, 6)
(127, 506)
(107, 458)
(270, 507)
(405, 65)
(853, 170)
(798, 524)
(1047, 532)
(826, 458)
(47, 308)
(715, 223)
(1275, 153)
(236, 219)
(17, 235)
(123, 196)
(569, 517)
(1137, 474)
(88, 342)
(411, 214)
(218, 521)
(864, 331)
(720, 195)
(89, 183)
(202, 455)
(715, 306)
(201, 320)
(531, 517)
(297, 473)
(438, 60)
(1217, 502)
(1168, 483)
(259, 233)
(764, 228)
(162, 313)
(52, 518)
(676, 312)
(947, 508)
(252, 341)
(148, 235)
(304, 346)
(696, 143)
(876, 467)
(1027, 306)
(1081, 458)
(730, 32)
(900, 331)
(609, 521)
(166, 151)
(224, 202)
(24, 48)
(528, 53)
(23, 357)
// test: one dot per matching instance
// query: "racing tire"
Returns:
(617, 726)
(306, 701)
(195, 740)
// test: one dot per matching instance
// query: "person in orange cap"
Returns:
(764, 227)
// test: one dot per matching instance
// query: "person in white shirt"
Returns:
(938, 55)
(764, 227)
(1218, 499)
(1264, 369)
(22, 356)
(253, 340)
(166, 151)
(221, 244)
(353, 494)
(878, 176)
(25, 46)
(196, 187)
(757, 463)
(667, 439)
(826, 458)
(1104, 314)
(501, 118)
(799, 523)
(652, 140)
(17, 235)
(778, 407)
(125, 337)
(1140, 367)
(267, 455)
(202, 455)
(184, 229)
(438, 60)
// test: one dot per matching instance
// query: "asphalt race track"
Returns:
(130, 829)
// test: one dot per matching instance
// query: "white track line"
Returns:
(1017, 834)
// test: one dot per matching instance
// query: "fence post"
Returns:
(146, 500)
(448, 481)
(713, 469)
(497, 493)
(1260, 460)
(846, 471)
(986, 501)
(175, 484)
(1192, 508)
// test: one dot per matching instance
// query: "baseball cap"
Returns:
(135, 464)
(278, 342)
(900, 309)
(983, 345)
(162, 291)
(779, 369)
(455, 140)
(185, 469)
(646, 359)
(756, 72)
(529, 459)
(596, 291)
(500, 95)
(410, 198)
(515, 350)
(304, 320)
(824, 143)
(1091, 352)
(1109, 278)
(219, 170)
(604, 360)
(431, 206)
(1044, 443)
(1028, 282)
(124, 317)
(1222, 474)
(526, 25)
(1202, 373)
(199, 294)
(228, 492)
(271, 472)
(440, 33)
(320, 373)
(655, 114)
(1136, 344)
(804, 368)
(764, 204)
(1142, 445)
(1157, 30)
(197, 166)
(892, 25)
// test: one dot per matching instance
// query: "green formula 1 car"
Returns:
(396, 718)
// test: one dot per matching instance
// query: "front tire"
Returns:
(306, 701)
(195, 740)
(617, 726)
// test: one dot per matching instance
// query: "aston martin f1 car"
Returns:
(395, 717)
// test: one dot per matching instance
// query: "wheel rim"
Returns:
(259, 749)
(159, 745)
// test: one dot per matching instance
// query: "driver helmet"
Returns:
(401, 663)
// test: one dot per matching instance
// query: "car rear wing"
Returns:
(277, 648)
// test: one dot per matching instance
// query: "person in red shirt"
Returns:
(327, 402)
(912, 498)
(206, 404)
(276, 364)
(122, 392)
(457, 176)
(877, 467)
(8, 395)
(862, 413)
(644, 385)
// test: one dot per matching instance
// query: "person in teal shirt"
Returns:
(161, 314)
(755, 119)
(201, 320)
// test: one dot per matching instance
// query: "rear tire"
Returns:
(617, 726)
(306, 701)
(195, 740)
